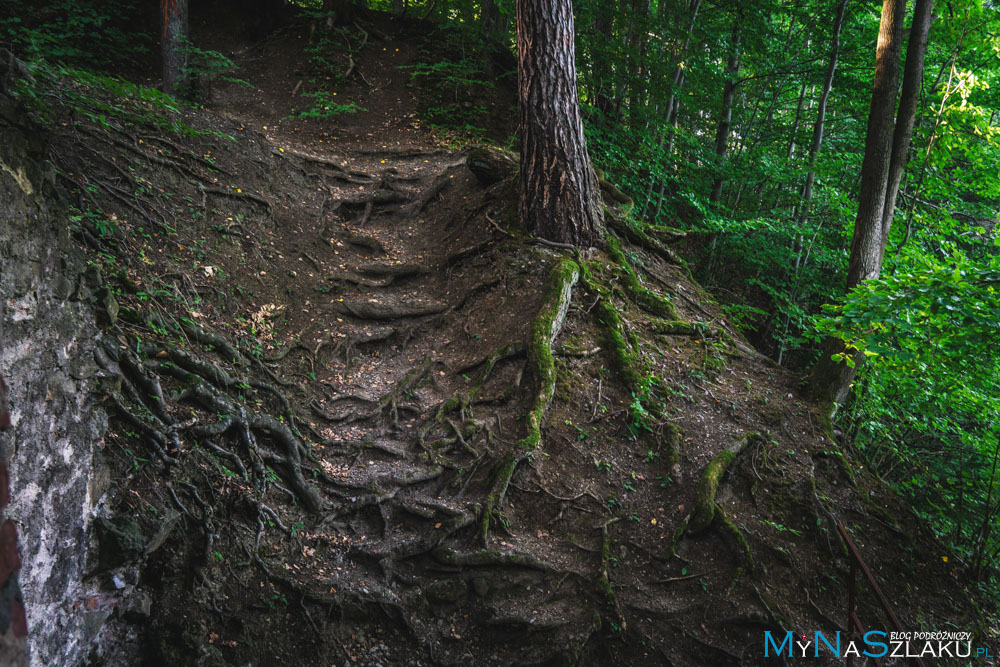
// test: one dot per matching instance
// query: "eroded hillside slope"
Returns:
(358, 416)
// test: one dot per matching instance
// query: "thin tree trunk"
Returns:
(493, 25)
(672, 108)
(814, 148)
(866, 244)
(173, 46)
(678, 78)
(638, 43)
(824, 98)
(726, 115)
(343, 10)
(604, 98)
(913, 74)
(797, 121)
(559, 198)
(831, 379)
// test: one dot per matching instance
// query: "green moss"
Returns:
(726, 526)
(678, 327)
(704, 504)
(632, 231)
(615, 197)
(626, 362)
(671, 440)
(541, 363)
(678, 534)
(604, 580)
(643, 296)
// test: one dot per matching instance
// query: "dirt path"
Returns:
(279, 72)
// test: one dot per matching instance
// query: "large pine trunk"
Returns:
(173, 46)
(559, 199)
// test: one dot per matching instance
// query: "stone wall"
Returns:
(55, 424)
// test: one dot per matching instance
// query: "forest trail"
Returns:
(339, 317)
(375, 80)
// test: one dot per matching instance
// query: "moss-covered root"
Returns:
(644, 297)
(604, 581)
(731, 531)
(680, 328)
(704, 503)
(641, 238)
(544, 329)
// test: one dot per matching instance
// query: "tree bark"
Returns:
(726, 115)
(913, 74)
(173, 46)
(559, 198)
(830, 380)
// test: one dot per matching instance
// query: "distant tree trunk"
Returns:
(817, 138)
(173, 43)
(726, 114)
(913, 74)
(671, 109)
(559, 198)
(798, 118)
(638, 46)
(678, 78)
(604, 97)
(343, 10)
(493, 25)
(830, 381)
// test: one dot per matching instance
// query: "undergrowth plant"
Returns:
(110, 102)
(99, 35)
(205, 67)
(325, 106)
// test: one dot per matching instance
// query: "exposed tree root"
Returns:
(642, 239)
(544, 330)
(487, 558)
(680, 328)
(731, 531)
(369, 310)
(249, 196)
(439, 183)
(604, 581)
(704, 505)
(644, 297)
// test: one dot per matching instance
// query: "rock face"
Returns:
(46, 358)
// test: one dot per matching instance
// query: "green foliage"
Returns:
(205, 67)
(926, 412)
(324, 106)
(97, 35)
(51, 91)
(451, 76)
